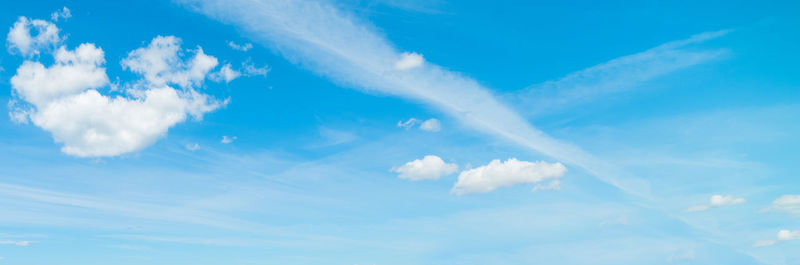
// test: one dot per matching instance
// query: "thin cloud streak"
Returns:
(615, 76)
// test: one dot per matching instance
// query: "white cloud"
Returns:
(503, 174)
(160, 63)
(64, 13)
(250, 69)
(20, 39)
(783, 235)
(786, 203)
(408, 124)
(63, 98)
(193, 147)
(15, 243)
(431, 125)
(553, 185)
(429, 167)
(226, 73)
(243, 47)
(717, 201)
(409, 61)
(227, 140)
(71, 73)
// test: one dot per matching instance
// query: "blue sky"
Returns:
(399, 132)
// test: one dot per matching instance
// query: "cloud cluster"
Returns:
(717, 201)
(783, 235)
(503, 174)
(64, 99)
(429, 167)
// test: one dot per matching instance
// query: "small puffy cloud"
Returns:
(226, 139)
(193, 147)
(64, 13)
(160, 63)
(553, 185)
(409, 61)
(429, 167)
(21, 41)
(15, 243)
(63, 98)
(502, 174)
(431, 125)
(786, 203)
(717, 201)
(226, 73)
(243, 47)
(783, 235)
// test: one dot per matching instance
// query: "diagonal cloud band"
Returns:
(330, 42)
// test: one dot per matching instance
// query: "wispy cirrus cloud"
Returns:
(618, 75)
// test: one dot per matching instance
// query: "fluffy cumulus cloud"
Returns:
(429, 167)
(20, 40)
(160, 63)
(783, 235)
(786, 203)
(409, 61)
(717, 201)
(499, 174)
(65, 99)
